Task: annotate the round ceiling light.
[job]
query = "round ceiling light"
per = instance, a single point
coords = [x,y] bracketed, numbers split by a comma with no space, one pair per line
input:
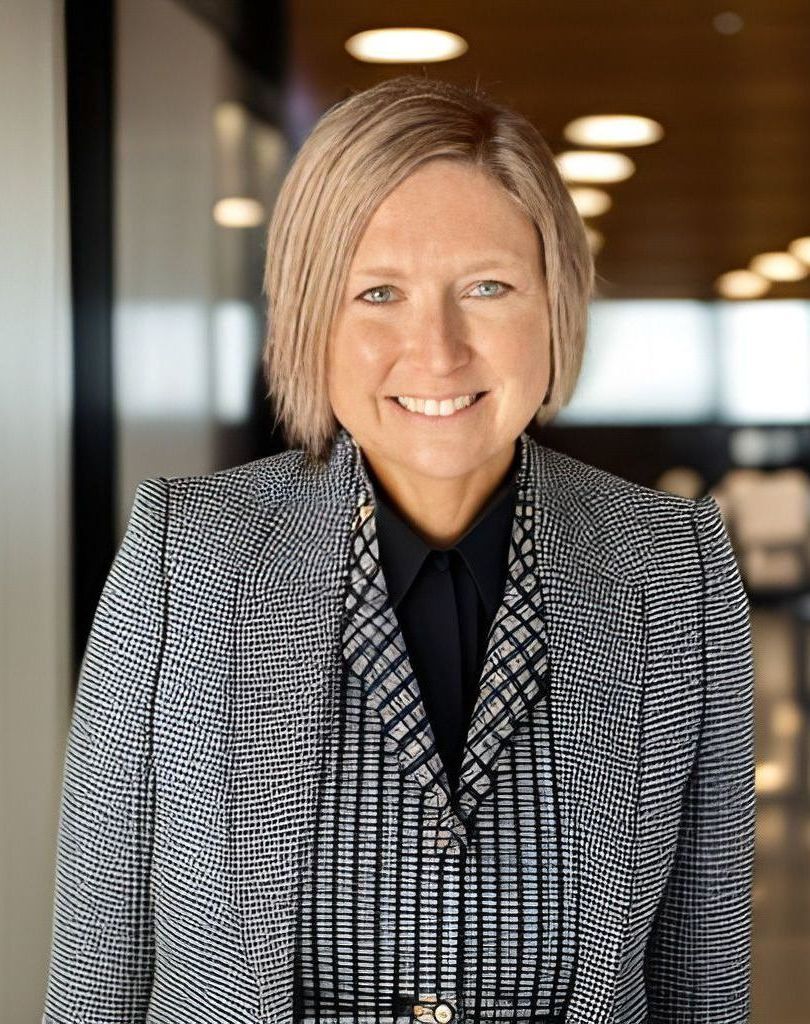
[590,202]
[741,284]
[405,45]
[800,248]
[779,266]
[593,165]
[596,239]
[613,130]
[238,212]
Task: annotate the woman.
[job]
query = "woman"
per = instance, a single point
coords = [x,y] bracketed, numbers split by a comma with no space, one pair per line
[421,719]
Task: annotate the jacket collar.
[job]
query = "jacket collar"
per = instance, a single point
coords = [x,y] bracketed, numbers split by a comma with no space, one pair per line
[570,505]
[573,630]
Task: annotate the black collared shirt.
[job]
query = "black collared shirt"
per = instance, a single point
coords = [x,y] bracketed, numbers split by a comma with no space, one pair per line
[445,601]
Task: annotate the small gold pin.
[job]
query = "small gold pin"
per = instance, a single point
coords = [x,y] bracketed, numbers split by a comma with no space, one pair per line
[362,515]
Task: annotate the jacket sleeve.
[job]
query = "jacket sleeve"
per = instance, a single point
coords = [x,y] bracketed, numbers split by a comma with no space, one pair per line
[697,965]
[102,947]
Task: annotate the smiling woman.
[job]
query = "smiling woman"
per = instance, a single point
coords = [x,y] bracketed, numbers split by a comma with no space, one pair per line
[421,718]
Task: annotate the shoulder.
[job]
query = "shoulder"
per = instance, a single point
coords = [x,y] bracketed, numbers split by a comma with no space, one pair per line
[651,528]
[602,489]
[235,489]
[222,515]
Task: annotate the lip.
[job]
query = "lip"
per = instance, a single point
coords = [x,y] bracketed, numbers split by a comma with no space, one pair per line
[459,414]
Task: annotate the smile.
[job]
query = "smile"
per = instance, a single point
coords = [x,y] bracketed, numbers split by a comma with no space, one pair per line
[431,409]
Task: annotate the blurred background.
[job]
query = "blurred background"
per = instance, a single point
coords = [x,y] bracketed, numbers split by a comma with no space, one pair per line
[143,144]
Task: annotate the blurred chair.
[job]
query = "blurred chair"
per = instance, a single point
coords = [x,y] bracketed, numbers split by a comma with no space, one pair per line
[685,481]
[768,517]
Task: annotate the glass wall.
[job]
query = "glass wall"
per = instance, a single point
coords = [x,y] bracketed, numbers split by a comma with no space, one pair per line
[683,362]
[198,163]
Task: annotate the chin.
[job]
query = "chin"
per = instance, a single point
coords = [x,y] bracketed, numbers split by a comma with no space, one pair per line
[442,459]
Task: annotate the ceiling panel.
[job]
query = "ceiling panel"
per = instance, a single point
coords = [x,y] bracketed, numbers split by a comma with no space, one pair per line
[729,179]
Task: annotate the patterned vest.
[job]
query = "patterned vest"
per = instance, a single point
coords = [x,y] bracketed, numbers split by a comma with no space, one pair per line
[422,904]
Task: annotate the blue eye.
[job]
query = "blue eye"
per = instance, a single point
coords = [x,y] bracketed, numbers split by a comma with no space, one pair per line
[506,286]
[376,288]
[387,287]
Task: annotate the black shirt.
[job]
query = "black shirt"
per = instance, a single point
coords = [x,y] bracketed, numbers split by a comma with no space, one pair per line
[445,601]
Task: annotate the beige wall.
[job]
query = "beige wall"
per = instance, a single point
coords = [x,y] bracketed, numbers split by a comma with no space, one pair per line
[34,502]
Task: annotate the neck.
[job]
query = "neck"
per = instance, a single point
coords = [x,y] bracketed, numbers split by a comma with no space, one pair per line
[439,510]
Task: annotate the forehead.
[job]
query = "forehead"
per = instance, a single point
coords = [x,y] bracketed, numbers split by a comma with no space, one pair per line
[444,212]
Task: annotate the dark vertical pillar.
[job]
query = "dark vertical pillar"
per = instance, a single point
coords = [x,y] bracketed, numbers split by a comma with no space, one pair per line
[89,27]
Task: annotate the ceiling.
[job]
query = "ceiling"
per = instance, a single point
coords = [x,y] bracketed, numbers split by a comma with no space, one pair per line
[730,178]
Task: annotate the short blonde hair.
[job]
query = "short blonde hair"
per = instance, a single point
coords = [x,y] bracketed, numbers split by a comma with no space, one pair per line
[358,152]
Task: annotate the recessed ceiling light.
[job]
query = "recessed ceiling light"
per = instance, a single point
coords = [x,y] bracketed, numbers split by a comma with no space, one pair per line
[613,130]
[238,212]
[594,165]
[779,266]
[741,284]
[728,23]
[405,45]
[590,202]
[800,248]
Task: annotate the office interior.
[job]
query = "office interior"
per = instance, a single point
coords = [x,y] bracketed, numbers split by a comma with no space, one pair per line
[146,142]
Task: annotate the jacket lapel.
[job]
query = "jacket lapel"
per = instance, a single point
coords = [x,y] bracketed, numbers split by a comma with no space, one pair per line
[283,677]
[512,678]
[374,650]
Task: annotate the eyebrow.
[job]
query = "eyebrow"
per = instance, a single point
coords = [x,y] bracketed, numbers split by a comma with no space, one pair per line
[381,270]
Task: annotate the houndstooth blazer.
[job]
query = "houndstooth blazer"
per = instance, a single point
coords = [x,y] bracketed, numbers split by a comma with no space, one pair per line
[192,762]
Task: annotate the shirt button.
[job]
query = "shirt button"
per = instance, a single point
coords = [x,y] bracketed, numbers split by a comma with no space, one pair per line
[441,560]
[444,1012]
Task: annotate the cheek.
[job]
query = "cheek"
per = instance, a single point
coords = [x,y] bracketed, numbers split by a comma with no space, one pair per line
[523,362]
[523,354]
[358,356]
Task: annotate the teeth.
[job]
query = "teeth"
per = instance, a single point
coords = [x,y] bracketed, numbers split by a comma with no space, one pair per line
[430,407]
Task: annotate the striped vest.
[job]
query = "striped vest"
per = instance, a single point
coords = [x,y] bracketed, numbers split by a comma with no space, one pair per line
[458,905]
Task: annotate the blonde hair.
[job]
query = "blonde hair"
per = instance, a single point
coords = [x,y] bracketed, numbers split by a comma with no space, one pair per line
[358,152]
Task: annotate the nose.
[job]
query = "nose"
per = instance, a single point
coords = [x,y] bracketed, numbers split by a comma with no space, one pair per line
[437,342]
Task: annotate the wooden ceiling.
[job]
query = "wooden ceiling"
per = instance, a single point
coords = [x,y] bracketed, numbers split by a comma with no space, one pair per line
[730,178]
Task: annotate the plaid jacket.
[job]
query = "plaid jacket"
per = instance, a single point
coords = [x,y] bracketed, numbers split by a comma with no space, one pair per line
[195,759]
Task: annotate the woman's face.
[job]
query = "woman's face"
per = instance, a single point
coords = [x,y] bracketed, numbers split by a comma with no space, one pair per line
[445,298]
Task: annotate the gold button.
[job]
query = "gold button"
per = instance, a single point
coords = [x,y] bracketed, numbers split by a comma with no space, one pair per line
[443,1013]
